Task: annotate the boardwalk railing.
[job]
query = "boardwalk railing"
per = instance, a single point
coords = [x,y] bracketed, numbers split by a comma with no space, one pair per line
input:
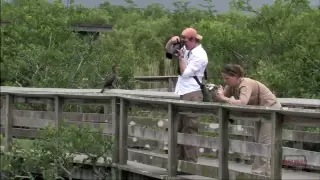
[127,133]
[170,80]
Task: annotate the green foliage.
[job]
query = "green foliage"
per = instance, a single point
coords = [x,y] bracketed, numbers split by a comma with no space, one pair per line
[277,44]
[53,154]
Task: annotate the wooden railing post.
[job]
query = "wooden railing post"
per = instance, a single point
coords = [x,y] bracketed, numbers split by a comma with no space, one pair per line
[276,146]
[8,121]
[58,109]
[123,144]
[223,143]
[172,140]
[115,126]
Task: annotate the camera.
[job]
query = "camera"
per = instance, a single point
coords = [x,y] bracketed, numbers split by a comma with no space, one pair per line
[175,47]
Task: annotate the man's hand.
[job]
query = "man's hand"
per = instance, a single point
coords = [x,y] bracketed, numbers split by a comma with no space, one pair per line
[175,39]
[180,53]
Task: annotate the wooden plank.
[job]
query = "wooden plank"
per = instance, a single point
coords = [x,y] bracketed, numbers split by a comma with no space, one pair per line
[123,133]
[173,118]
[155,89]
[87,101]
[300,102]
[132,141]
[91,29]
[302,121]
[143,169]
[209,167]
[96,92]
[154,78]
[245,116]
[223,144]
[8,121]
[23,133]
[276,146]
[156,172]
[19,99]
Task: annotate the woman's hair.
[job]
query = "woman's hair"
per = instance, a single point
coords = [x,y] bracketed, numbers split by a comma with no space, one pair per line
[233,70]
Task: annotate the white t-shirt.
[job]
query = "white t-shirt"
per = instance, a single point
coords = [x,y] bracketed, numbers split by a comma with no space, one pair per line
[196,64]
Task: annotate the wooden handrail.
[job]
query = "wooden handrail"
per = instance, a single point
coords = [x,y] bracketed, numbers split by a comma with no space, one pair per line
[295,102]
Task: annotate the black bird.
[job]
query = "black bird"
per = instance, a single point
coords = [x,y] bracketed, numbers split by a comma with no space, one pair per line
[110,79]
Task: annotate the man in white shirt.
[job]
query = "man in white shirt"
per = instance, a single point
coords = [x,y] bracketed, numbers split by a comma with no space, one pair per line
[193,61]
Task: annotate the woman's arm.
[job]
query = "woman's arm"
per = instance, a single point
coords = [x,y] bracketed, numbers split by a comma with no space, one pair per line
[227,91]
[245,93]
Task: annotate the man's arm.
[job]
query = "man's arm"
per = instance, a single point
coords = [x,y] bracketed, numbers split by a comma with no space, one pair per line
[169,46]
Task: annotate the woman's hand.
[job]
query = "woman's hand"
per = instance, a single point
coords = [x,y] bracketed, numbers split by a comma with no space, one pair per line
[220,93]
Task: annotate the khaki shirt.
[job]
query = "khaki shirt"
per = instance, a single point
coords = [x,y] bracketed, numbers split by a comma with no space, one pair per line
[251,92]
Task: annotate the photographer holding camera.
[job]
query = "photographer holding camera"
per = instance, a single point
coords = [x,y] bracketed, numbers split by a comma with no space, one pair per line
[193,61]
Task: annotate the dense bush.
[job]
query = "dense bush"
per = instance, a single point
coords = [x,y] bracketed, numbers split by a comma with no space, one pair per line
[278,44]
[52,155]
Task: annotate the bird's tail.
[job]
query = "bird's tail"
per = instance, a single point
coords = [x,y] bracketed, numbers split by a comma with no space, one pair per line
[102,90]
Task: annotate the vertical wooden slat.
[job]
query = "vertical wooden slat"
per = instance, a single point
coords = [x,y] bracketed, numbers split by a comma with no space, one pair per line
[123,144]
[8,121]
[223,143]
[170,84]
[276,146]
[172,140]
[107,109]
[58,109]
[257,126]
[298,144]
[115,126]
[49,106]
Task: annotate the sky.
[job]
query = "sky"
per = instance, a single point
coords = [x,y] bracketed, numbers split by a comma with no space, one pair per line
[220,5]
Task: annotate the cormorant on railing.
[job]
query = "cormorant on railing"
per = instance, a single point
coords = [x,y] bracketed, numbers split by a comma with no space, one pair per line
[109,82]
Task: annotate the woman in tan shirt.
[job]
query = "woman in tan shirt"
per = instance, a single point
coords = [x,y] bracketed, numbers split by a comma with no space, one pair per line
[246,91]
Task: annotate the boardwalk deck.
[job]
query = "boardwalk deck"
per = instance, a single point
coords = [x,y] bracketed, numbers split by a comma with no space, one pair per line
[234,168]
[141,166]
[156,172]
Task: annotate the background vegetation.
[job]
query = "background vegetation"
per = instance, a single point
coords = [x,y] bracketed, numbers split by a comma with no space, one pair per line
[277,44]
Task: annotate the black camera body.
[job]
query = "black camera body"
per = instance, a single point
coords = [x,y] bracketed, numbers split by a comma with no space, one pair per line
[175,47]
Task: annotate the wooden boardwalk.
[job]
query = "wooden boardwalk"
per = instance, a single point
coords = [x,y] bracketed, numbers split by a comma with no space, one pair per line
[156,134]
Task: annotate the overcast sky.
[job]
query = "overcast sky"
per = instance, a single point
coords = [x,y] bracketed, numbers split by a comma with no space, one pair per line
[221,5]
